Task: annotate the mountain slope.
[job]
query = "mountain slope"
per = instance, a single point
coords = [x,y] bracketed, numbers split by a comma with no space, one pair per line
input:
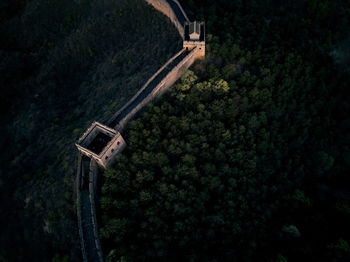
[64,64]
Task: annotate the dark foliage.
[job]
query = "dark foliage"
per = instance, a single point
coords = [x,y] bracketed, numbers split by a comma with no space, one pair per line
[63,64]
[247,158]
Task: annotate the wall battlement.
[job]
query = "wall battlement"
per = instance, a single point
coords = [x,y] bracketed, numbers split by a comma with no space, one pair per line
[101,143]
[165,77]
[88,229]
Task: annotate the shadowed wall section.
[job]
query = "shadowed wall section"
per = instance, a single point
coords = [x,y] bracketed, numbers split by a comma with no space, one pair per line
[173,10]
[88,230]
[164,78]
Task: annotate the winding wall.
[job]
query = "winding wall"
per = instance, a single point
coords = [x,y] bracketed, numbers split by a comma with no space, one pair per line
[87,170]
[88,229]
[173,10]
[165,77]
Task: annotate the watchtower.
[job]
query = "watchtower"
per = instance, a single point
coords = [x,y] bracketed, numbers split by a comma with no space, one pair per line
[194,36]
[101,143]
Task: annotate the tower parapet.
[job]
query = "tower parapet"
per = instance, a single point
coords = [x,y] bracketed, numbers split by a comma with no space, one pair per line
[101,143]
[194,37]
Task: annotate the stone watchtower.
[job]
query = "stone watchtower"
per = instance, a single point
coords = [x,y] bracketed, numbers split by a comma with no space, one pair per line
[101,143]
[194,36]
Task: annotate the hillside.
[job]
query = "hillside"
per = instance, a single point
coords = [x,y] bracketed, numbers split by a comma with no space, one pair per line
[247,158]
[63,64]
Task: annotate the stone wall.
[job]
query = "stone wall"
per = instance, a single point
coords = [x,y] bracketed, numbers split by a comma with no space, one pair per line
[111,152]
[164,7]
[92,131]
[164,85]
[175,74]
[182,10]
[143,88]
[79,205]
[200,53]
[92,189]
[90,243]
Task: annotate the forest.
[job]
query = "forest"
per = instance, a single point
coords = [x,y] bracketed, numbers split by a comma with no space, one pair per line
[63,64]
[247,158]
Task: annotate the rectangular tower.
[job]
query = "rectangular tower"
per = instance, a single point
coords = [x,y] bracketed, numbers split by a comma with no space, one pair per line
[194,36]
[101,143]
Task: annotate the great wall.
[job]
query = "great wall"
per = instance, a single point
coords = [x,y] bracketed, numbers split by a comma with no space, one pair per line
[102,144]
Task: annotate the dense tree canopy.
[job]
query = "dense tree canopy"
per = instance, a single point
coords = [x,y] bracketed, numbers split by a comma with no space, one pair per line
[247,158]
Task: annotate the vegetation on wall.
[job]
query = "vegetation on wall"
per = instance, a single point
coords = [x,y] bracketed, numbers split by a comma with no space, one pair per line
[63,64]
[247,158]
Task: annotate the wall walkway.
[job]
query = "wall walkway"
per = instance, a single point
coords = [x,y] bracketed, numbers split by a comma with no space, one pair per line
[157,84]
[173,10]
[88,230]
